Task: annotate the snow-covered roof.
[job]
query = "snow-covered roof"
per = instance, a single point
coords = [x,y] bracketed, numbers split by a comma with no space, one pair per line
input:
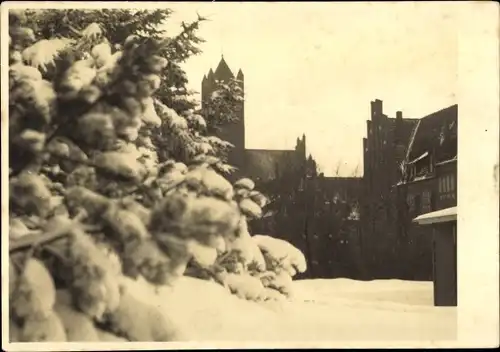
[439,216]
[421,178]
[447,161]
[425,137]
[419,158]
[412,139]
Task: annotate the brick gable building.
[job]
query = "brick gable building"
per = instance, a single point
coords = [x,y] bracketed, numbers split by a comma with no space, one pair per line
[409,169]
[355,227]
[319,215]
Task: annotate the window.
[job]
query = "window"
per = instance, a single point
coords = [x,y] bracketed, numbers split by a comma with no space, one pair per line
[423,170]
[433,201]
[411,203]
[426,202]
[452,187]
[447,187]
[301,186]
[444,184]
[418,203]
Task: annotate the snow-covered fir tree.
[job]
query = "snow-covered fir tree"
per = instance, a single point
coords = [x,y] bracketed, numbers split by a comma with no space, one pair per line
[113,175]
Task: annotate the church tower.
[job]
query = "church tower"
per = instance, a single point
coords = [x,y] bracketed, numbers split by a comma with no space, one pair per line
[233,132]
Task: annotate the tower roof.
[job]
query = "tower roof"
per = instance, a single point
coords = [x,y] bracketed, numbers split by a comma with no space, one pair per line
[223,72]
[240,75]
[210,75]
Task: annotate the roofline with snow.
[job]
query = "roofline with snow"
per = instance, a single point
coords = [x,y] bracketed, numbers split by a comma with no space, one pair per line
[436,217]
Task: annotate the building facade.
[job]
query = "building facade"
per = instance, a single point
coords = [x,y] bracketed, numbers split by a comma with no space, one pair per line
[409,169]
[357,228]
[383,152]
[429,183]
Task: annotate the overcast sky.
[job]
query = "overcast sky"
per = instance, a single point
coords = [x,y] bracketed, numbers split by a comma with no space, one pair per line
[313,68]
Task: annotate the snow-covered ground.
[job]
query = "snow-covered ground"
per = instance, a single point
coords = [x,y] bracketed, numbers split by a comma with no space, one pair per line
[322,310]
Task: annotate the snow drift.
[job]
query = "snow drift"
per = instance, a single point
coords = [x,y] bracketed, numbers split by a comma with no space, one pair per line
[322,310]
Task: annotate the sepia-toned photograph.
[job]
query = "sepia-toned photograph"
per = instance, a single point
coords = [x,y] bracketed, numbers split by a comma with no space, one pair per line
[244,173]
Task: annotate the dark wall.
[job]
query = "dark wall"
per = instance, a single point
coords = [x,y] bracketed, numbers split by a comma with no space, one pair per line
[445,264]
[416,198]
[317,215]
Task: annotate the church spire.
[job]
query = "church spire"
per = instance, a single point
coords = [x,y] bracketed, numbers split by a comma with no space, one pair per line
[223,72]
